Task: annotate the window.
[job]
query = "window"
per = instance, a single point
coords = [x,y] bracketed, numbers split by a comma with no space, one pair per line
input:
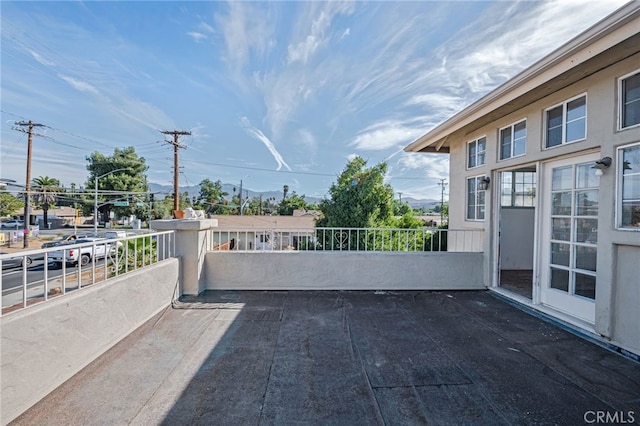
[567,122]
[630,100]
[518,189]
[513,140]
[629,187]
[475,199]
[476,152]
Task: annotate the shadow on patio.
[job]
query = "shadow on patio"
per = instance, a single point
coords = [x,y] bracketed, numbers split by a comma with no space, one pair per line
[348,358]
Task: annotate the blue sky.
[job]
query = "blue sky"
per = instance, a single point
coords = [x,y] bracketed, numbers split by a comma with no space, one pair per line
[273,93]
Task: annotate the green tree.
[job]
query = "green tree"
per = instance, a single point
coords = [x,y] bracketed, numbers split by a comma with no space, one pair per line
[400,209]
[408,221]
[132,181]
[211,197]
[46,189]
[360,198]
[293,202]
[163,209]
[9,203]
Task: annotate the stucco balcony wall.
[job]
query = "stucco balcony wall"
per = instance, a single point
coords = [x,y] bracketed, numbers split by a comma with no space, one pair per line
[343,271]
[45,345]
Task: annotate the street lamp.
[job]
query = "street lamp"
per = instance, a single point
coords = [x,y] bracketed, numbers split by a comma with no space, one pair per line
[95,199]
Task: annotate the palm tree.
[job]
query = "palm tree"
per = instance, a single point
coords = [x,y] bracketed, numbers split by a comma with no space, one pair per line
[285,190]
[47,189]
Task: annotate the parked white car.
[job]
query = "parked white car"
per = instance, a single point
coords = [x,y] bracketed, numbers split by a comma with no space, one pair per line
[82,255]
[13,224]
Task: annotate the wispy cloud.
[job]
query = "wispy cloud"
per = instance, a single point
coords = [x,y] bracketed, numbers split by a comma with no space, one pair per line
[257,134]
[245,31]
[38,57]
[481,57]
[202,32]
[432,165]
[196,36]
[387,134]
[321,20]
[307,140]
[345,34]
[80,85]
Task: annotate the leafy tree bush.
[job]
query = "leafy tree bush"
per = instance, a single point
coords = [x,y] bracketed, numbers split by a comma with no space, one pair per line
[9,204]
[359,198]
[132,181]
[291,203]
[136,253]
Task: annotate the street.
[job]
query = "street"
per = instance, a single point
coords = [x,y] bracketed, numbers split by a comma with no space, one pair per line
[12,279]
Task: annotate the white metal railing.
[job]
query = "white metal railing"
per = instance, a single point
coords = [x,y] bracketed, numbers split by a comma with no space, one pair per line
[35,276]
[346,239]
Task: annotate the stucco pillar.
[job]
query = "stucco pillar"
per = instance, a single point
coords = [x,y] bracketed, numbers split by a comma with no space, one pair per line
[191,246]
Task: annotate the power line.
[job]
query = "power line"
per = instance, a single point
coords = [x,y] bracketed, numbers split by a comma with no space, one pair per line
[289,171]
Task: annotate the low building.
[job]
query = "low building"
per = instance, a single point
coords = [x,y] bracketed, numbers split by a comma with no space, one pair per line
[262,232]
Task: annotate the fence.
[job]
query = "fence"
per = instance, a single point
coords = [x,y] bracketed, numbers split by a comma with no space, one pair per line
[346,239]
[35,276]
[15,236]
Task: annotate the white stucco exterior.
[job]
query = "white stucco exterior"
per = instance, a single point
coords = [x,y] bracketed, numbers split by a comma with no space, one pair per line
[45,345]
[344,271]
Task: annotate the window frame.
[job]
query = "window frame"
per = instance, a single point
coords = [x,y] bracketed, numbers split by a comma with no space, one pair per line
[476,198]
[475,142]
[512,127]
[621,79]
[620,187]
[564,104]
[513,185]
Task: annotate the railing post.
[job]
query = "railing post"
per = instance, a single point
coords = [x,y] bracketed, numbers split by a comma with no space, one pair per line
[189,237]
[24,283]
[45,276]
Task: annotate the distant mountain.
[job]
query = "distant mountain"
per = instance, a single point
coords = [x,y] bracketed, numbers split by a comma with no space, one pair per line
[420,203]
[163,190]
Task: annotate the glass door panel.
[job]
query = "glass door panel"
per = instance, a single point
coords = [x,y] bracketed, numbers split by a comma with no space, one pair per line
[570,250]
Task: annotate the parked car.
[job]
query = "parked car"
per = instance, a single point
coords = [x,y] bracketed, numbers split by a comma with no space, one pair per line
[115,234]
[82,255]
[17,224]
[15,262]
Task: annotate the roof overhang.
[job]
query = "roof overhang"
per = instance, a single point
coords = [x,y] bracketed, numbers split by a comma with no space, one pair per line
[609,41]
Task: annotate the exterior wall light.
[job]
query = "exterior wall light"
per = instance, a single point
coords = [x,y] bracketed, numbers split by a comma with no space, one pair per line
[484,182]
[601,165]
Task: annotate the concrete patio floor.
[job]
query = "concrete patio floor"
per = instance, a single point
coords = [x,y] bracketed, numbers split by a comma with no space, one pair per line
[346,358]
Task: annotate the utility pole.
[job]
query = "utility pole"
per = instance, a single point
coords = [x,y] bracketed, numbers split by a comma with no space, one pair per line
[240,197]
[443,184]
[176,145]
[240,194]
[27,188]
